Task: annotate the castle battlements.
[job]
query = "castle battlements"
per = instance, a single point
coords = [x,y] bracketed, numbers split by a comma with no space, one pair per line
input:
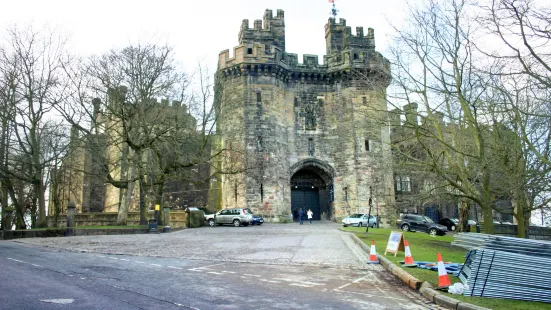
[261,50]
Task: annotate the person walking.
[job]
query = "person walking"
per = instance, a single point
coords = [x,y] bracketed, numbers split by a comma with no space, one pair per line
[300,216]
[310,215]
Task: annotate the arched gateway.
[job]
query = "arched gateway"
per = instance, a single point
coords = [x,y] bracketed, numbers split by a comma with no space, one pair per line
[311,180]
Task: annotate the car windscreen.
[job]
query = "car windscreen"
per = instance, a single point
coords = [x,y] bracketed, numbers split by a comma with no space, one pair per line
[355,216]
[428,219]
[248,211]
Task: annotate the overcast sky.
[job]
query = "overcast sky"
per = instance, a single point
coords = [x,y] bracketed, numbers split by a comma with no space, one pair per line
[196,29]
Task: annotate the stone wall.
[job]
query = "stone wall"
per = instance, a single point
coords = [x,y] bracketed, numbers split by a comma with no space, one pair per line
[177,219]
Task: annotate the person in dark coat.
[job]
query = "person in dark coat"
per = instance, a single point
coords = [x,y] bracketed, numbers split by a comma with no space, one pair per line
[301,214]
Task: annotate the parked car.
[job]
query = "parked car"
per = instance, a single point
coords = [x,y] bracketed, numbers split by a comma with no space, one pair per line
[469,223]
[417,222]
[209,216]
[236,217]
[450,224]
[257,220]
[359,219]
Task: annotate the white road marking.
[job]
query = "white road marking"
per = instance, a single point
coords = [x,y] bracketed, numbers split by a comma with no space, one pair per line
[140,262]
[180,305]
[113,258]
[126,260]
[59,301]
[83,278]
[195,270]
[214,272]
[343,286]
[298,284]
[16,260]
[204,267]
[228,271]
[156,265]
[174,267]
[252,275]
[264,280]
[360,279]
[36,265]
[70,275]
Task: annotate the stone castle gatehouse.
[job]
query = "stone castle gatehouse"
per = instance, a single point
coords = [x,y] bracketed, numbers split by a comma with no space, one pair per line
[303,135]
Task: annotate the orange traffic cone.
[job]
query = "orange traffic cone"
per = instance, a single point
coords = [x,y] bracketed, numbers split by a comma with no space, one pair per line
[443,279]
[372,254]
[408,261]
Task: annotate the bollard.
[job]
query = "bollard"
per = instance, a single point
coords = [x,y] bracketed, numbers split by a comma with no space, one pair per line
[71,207]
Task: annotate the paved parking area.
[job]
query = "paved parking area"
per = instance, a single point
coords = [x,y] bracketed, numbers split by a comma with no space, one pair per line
[318,244]
[306,259]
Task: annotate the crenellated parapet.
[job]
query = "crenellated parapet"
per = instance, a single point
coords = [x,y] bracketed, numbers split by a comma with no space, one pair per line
[269,31]
[261,51]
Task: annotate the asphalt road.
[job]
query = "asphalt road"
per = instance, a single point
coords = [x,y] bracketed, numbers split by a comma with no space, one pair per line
[38,277]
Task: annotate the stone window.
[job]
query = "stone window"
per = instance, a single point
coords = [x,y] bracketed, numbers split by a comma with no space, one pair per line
[250,51]
[356,56]
[296,102]
[402,183]
[258,97]
[261,192]
[364,100]
[309,118]
[259,144]
[366,145]
[311,147]
[235,191]
[346,194]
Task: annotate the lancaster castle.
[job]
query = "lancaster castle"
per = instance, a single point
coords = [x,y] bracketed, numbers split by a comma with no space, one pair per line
[309,134]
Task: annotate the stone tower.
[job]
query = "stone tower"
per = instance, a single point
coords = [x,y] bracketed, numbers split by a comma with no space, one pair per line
[303,135]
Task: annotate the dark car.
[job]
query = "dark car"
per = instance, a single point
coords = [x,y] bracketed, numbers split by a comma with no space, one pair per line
[449,223]
[257,220]
[417,222]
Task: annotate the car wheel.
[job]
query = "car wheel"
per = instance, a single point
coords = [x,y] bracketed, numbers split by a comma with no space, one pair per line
[452,228]
[405,227]
[360,224]
[236,223]
[433,232]
[211,223]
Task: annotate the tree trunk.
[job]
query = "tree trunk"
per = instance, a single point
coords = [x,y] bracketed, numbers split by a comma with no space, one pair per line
[159,200]
[519,215]
[143,207]
[122,218]
[463,216]
[42,221]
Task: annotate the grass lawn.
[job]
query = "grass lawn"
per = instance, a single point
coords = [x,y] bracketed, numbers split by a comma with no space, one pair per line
[424,248]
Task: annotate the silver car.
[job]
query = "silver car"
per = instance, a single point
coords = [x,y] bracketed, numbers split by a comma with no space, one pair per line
[359,219]
[236,217]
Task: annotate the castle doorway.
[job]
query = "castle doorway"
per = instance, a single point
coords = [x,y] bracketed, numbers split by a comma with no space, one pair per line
[310,183]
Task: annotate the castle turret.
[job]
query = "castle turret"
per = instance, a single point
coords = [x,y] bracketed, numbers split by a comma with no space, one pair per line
[303,134]
[269,31]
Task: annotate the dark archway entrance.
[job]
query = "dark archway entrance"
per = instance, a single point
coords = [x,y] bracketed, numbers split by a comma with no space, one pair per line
[310,182]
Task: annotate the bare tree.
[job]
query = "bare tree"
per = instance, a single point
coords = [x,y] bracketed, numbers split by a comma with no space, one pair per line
[35,62]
